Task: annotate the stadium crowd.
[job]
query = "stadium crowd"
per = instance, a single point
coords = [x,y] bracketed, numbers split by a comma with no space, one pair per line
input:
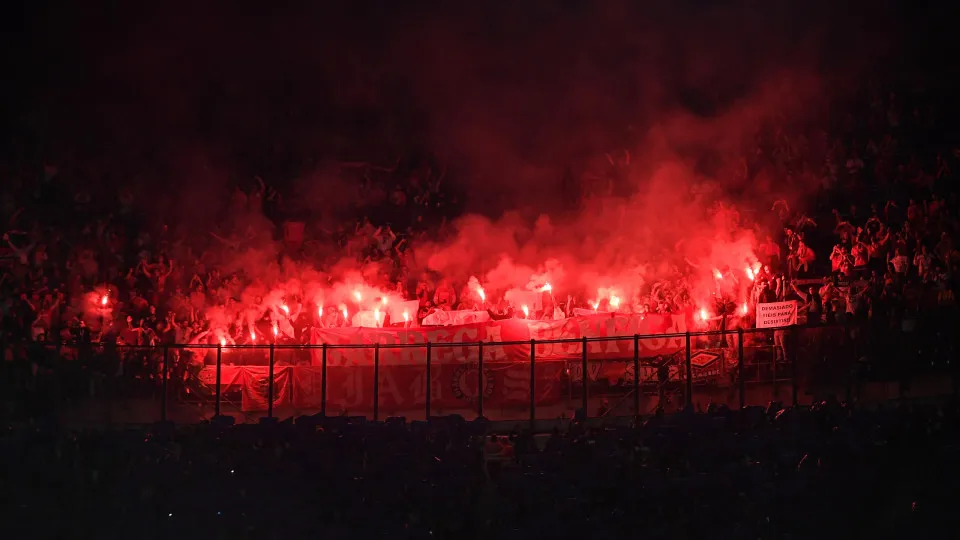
[885,211]
[881,234]
[831,471]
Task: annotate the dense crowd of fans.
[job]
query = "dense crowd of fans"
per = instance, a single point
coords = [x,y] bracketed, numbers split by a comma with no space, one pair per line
[892,246]
[832,470]
[72,242]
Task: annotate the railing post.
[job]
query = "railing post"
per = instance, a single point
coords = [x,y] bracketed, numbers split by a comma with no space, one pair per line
[583,376]
[270,382]
[216,404]
[793,380]
[480,383]
[376,382]
[429,385]
[773,371]
[689,370]
[636,375]
[533,383]
[323,379]
[742,382]
[163,384]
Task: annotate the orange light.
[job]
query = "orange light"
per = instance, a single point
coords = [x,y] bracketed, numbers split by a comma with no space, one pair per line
[526,311]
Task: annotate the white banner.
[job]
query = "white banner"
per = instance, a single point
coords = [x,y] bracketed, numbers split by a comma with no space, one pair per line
[777,314]
[455,318]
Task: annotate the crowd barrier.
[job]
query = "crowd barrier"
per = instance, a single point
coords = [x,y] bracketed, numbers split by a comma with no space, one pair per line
[188,383]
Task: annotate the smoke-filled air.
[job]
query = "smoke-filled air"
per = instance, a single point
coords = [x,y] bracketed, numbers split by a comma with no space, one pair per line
[602,158]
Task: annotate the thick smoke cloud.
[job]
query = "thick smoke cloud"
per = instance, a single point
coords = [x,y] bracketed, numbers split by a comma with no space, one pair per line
[513,97]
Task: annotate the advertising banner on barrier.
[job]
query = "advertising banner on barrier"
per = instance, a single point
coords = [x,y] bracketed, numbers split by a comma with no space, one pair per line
[777,314]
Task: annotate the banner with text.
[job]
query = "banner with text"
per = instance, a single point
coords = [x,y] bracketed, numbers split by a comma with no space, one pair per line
[777,314]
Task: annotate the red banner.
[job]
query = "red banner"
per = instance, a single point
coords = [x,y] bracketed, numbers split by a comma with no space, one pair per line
[454,356]
[401,388]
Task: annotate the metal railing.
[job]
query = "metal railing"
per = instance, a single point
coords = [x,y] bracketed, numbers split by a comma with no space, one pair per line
[738,367]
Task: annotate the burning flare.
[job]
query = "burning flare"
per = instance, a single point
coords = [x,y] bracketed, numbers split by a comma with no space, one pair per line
[376,316]
[276,330]
[253,336]
[320,312]
[406,317]
[745,308]
[483,295]
[546,288]
[285,308]
[704,315]
[357,295]
[750,275]
[104,299]
[526,311]
[346,314]
[717,274]
[384,300]
[615,302]
[223,342]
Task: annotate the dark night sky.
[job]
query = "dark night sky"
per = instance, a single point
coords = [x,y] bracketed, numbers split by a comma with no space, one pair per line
[531,82]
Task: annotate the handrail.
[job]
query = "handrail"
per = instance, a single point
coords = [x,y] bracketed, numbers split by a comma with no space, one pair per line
[420,345]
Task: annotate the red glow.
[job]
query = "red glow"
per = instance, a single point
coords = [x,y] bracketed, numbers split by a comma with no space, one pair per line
[103,300]
[703,314]
[745,308]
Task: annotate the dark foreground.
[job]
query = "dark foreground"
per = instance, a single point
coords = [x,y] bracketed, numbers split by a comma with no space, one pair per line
[829,471]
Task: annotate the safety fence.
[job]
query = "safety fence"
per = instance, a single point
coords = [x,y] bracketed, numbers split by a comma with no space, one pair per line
[110,383]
